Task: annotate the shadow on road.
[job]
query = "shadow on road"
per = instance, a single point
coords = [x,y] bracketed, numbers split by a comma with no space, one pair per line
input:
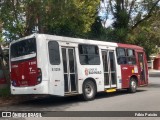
[56,101]
[152,85]
[50,101]
[114,94]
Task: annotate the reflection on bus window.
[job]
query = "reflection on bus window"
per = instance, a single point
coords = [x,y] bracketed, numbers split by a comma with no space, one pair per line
[24,47]
[54,55]
[126,56]
[89,55]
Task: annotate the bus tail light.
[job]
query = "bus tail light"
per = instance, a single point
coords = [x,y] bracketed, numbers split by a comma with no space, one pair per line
[39,77]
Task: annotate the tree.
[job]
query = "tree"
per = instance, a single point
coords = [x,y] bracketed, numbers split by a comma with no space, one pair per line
[1,40]
[3,57]
[128,14]
[147,34]
[134,22]
[12,16]
[97,30]
[60,17]
[72,17]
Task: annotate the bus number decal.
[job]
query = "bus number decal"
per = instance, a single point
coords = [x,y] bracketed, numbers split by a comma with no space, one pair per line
[32,63]
[56,69]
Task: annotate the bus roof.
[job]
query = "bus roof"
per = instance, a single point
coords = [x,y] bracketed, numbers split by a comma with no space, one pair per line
[130,46]
[78,40]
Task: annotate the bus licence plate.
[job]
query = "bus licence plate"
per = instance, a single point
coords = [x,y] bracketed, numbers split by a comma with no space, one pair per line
[24,82]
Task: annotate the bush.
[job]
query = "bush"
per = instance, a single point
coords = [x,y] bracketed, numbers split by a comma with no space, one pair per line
[5,92]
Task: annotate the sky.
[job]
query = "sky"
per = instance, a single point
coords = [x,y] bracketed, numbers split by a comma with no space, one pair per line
[109,18]
[103,14]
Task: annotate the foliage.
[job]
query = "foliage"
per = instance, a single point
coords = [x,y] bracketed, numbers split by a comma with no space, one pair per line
[72,18]
[147,34]
[128,14]
[60,17]
[78,18]
[5,92]
[135,22]
[13,23]
[1,40]
[97,30]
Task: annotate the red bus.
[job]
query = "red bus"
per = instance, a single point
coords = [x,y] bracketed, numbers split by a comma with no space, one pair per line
[56,65]
[137,68]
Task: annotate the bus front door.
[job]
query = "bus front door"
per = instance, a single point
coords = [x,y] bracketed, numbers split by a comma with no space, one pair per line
[69,68]
[141,68]
[109,67]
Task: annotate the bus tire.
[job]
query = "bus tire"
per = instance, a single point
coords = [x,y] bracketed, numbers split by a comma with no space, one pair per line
[132,85]
[89,90]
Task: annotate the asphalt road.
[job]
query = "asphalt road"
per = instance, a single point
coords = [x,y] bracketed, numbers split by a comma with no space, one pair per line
[145,99]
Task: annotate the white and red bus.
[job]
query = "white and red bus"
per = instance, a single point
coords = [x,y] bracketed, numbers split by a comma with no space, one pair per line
[56,65]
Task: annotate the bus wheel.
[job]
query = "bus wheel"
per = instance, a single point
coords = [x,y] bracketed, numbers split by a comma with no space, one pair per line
[89,90]
[133,85]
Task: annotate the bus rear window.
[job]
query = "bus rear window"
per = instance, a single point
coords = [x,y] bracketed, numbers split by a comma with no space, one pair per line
[24,47]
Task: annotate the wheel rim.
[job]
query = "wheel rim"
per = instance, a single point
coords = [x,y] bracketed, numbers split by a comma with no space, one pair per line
[133,85]
[89,90]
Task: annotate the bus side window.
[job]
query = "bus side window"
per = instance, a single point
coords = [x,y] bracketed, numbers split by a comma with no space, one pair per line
[121,56]
[89,54]
[131,57]
[54,55]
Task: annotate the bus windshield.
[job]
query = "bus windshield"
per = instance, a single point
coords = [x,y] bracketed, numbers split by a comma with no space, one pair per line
[24,47]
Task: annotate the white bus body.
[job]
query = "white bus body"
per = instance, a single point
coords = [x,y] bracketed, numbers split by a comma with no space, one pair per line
[64,66]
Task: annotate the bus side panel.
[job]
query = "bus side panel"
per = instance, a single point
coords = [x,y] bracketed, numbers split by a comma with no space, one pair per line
[119,76]
[94,72]
[126,74]
[79,72]
[84,74]
[56,77]
[42,60]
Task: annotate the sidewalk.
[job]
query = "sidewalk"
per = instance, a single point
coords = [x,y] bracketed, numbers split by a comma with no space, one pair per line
[153,71]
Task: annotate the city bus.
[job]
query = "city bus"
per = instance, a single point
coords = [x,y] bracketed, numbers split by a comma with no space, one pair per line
[65,66]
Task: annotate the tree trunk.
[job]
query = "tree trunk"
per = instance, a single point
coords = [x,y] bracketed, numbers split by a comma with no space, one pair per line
[4,66]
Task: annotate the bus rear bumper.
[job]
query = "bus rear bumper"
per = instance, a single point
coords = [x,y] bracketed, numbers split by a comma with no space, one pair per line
[41,88]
